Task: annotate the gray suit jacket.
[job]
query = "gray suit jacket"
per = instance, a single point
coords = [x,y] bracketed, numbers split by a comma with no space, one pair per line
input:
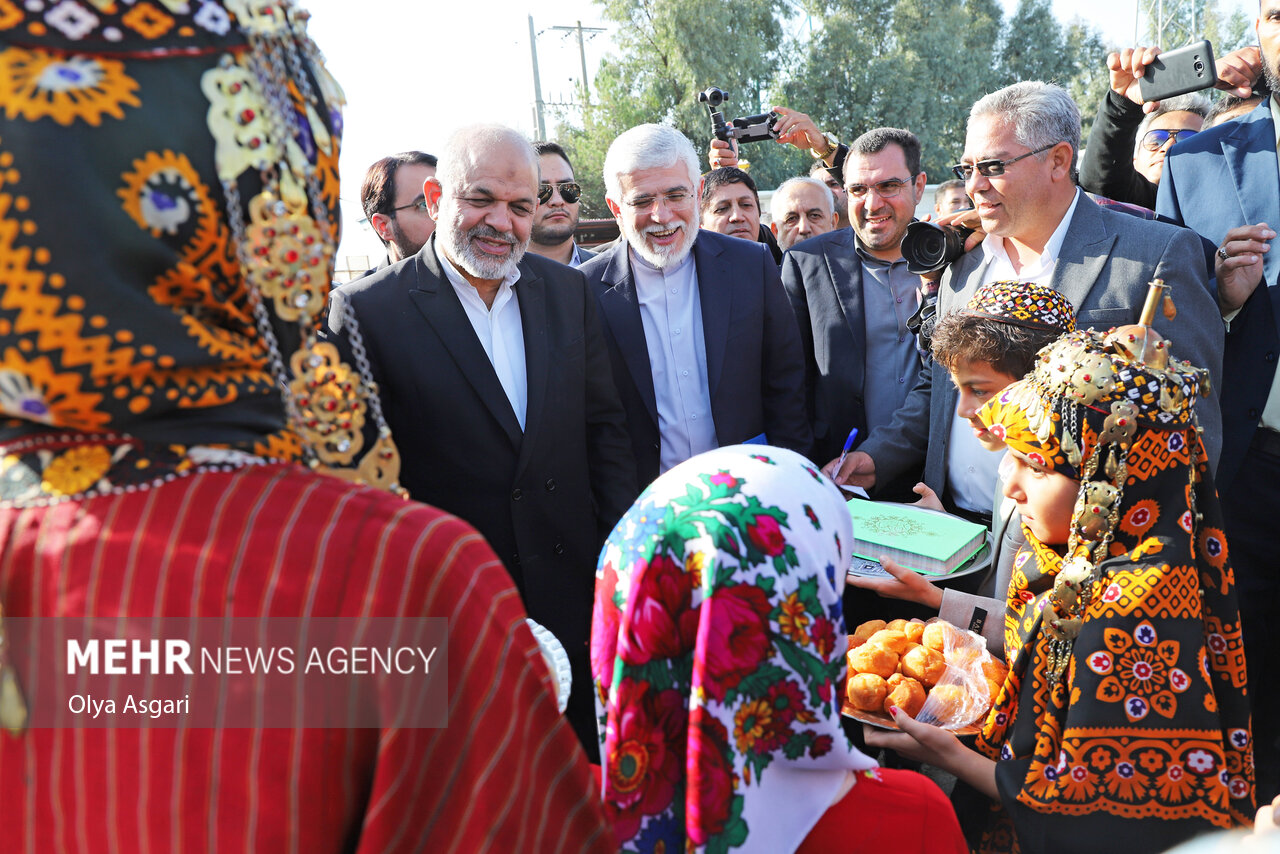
[1106,261]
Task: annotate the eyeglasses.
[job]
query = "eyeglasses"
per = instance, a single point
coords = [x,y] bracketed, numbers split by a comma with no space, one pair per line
[992,168]
[885,189]
[570,191]
[420,203]
[1154,140]
[674,199]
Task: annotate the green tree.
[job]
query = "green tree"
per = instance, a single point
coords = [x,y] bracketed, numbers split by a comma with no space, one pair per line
[667,52]
[1034,46]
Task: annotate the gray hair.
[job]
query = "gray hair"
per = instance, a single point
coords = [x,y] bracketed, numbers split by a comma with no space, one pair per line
[466,146]
[775,203]
[648,147]
[1188,103]
[1040,115]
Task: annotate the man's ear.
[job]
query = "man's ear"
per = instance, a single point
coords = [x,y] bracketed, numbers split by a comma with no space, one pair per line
[773,226]
[381,224]
[614,208]
[432,192]
[1062,154]
[921,181]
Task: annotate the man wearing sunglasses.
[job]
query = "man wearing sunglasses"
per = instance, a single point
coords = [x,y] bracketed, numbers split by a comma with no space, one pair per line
[556,218]
[394,203]
[1019,168]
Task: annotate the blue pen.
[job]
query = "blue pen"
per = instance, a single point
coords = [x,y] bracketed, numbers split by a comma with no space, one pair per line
[848,443]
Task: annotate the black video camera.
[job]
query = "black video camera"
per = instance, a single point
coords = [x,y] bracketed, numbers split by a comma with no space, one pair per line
[746,129]
[928,248]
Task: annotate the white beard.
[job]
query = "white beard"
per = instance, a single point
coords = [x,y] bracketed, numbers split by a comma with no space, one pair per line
[661,257]
[463,253]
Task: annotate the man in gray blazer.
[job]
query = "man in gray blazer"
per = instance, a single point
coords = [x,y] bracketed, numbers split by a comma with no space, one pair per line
[1019,167]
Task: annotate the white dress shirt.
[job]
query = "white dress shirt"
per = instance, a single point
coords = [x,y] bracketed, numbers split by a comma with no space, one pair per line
[971,468]
[499,331]
[671,312]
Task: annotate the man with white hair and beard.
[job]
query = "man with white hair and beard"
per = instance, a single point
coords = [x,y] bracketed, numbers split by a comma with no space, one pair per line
[705,348]
[492,368]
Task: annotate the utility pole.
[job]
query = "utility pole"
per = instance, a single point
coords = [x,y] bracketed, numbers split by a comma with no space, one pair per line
[582,54]
[538,117]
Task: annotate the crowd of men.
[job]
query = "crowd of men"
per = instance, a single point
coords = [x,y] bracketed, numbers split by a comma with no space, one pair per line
[540,394]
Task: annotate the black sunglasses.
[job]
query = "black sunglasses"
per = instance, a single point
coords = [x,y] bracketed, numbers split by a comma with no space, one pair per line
[570,191]
[1154,140]
[992,168]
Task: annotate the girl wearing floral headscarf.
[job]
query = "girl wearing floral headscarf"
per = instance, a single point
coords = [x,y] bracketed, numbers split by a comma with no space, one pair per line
[1124,716]
[718,650]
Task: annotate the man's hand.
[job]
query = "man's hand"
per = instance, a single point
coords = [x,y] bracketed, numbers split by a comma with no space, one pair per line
[1126,68]
[722,153]
[904,584]
[1240,271]
[858,470]
[798,129]
[1239,70]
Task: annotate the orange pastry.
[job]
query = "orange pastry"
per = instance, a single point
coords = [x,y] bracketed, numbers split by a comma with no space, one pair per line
[873,658]
[866,630]
[867,692]
[936,635]
[949,702]
[926,665]
[905,693]
[897,625]
[891,639]
[914,631]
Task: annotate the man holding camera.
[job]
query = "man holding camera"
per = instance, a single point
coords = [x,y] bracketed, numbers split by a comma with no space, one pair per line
[1019,166]
[853,296]
[704,350]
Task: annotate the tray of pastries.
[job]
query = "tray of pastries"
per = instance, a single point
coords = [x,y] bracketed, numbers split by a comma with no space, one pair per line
[934,671]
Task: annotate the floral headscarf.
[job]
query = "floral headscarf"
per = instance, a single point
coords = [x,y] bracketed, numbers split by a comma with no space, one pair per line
[1126,692]
[717,648]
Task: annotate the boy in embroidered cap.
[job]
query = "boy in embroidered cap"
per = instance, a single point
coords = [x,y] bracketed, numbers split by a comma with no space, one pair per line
[987,345]
[1124,716]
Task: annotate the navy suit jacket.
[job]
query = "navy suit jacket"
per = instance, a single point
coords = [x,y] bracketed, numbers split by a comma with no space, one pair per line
[1217,180]
[755,367]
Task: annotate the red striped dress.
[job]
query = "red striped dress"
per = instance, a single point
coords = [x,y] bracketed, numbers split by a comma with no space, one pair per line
[274,540]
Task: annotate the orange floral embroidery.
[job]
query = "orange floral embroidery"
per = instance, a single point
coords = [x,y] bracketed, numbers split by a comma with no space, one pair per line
[1140,671]
[39,85]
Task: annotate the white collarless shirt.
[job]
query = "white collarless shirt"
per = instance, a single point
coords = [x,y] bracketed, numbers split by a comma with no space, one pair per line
[499,331]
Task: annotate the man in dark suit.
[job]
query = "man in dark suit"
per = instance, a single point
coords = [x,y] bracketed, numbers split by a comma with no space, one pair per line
[1223,184]
[1020,166]
[394,205]
[556,219]
[853,296]
[492,369]
[704,346]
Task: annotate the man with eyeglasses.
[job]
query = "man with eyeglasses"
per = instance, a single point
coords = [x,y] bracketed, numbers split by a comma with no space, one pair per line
[394,204]
[705,350]
[556,219]
[853,297]
[1019,168]
[492,368]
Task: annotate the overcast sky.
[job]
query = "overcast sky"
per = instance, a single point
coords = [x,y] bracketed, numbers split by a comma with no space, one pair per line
[413,71]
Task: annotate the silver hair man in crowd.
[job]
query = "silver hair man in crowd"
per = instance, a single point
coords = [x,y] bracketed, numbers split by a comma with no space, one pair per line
[493,361]
[704,350]
[801,208]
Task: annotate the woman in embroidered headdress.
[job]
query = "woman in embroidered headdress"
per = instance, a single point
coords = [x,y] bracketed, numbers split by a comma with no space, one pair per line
[1124,717]
[168,184]
[718,649]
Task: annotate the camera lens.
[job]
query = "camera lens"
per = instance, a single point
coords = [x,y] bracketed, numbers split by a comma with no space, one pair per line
[1199,67]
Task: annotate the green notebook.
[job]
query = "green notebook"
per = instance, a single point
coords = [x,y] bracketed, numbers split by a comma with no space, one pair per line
[927,541]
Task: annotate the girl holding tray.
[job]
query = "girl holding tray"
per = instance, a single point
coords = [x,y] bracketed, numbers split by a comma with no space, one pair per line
[1124,716]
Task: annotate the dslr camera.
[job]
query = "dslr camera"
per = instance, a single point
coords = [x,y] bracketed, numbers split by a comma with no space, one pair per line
[747,129]
[928,248]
